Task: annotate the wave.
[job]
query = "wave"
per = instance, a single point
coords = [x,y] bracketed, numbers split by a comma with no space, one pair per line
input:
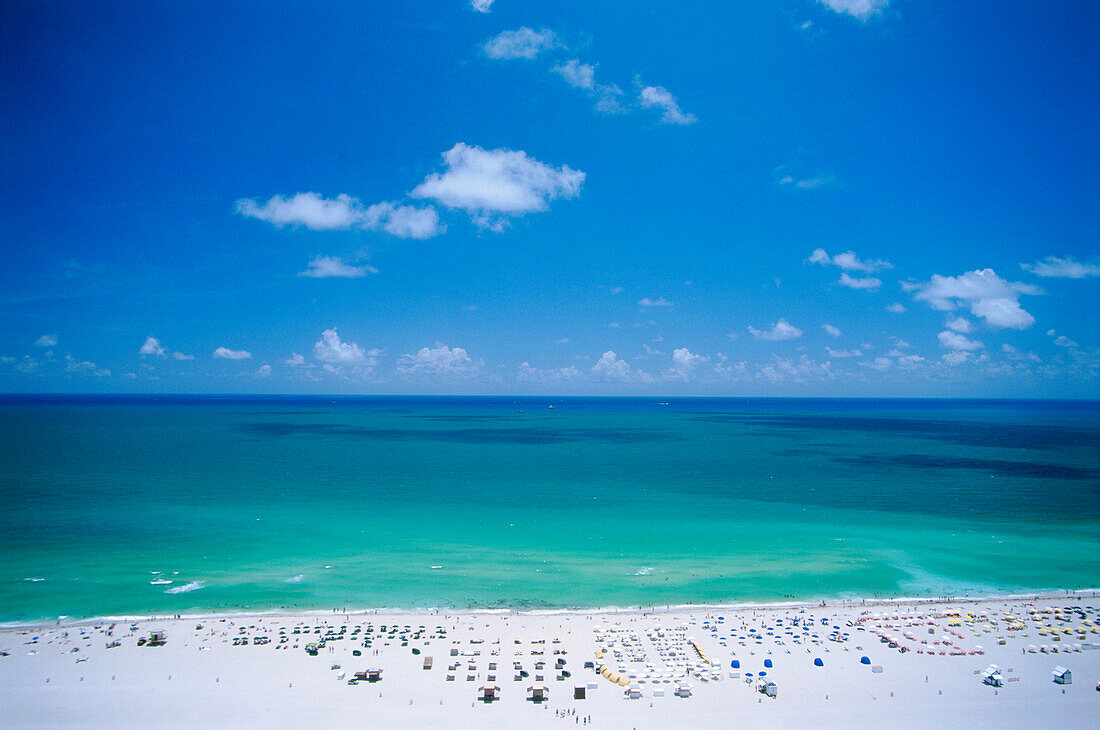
[295,579]
[192,586]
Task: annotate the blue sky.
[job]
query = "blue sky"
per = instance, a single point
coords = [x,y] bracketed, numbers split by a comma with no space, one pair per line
[798,197]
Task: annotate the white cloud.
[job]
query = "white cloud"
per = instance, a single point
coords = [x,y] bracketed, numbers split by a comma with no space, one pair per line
[527,373]
[1064,268]
[790,176]
[684,364]
[847,260]
[833,331]
[331,349]
[954,341]
[323,267]
[85,367]
[610,368]
[659,302]
[152,346]
[988,296]
[783,370]
[264,371]
[960,324]
[843,353]
[609,99]
[614,325]
[520,43]
[616,290]
[897,308]
[46,341]
[781,330]
[956,357]
[1063,341]
[481,6]
[226,354]
[868,282]
[576,74]
[562,341]
[305,209]
[488,184]
[862,9]
[440,360]
[660,97]
[343,212]
[295,360]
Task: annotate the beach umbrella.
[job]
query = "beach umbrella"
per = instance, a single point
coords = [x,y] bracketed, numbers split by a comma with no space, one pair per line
[818,662]
[735,664]
[864,660]
[768,663]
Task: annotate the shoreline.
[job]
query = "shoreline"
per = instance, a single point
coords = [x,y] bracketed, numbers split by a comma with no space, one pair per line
[892,662]
[283,613]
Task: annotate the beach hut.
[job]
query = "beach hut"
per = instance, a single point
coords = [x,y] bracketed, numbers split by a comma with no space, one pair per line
[579,692]
[1062,676]
[374,675]
[157,638]
[538,692]
[992,676]
[489,693]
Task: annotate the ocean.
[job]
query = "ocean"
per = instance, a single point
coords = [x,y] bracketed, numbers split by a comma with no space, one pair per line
[133,505]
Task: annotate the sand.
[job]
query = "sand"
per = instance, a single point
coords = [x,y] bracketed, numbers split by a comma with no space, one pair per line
[66,675]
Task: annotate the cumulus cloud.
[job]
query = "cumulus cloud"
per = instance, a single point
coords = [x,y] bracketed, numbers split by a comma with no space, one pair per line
[956,357]
[225,353]
[527,373]
[481,6]
[520,43]
[805,368]
[960,324]
[988,296]
[843,353]
[46,341]
[660,98]
[862,9]
[1063,268]
[954,341]
[438,360]
[867,282]
[323,267]
[833,331]
[152,347]
[1063,341]
[781,330]
[658,302]
[848,261]
[897,308]
[342,213]
[489,184]
[684,365]
[331,349]
[610,368]
[264,371]
[576,74]
[295,360]
[85,367]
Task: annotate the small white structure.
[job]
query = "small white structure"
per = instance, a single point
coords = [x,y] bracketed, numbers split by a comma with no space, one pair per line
[992,676]
[1062,676]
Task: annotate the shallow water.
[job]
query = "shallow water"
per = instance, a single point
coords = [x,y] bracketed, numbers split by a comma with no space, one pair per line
[314,503]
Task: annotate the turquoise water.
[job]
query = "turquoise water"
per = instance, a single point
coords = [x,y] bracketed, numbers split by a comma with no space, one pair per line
[315,503]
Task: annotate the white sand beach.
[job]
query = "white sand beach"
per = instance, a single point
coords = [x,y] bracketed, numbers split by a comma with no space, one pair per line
[905,664]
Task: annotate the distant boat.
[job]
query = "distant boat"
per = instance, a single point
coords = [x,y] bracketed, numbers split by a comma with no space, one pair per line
[551,407]
[159,582]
